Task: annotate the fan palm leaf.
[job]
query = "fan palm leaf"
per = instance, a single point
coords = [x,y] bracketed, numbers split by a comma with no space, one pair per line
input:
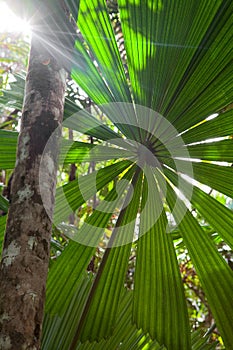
[179,64]
[179,73]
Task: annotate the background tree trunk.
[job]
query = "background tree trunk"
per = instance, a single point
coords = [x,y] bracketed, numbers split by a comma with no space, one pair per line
[26,248]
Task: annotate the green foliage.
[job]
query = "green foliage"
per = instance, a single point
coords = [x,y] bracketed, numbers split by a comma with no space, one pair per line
[178,64]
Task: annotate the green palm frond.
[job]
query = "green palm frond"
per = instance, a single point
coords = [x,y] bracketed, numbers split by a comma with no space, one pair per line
[179,73]
[179,64]
[59,329]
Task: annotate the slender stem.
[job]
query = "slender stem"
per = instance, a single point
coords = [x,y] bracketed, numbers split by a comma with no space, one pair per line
[103,262]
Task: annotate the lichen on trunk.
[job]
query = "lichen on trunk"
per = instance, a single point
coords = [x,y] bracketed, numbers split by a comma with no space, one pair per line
[26,248]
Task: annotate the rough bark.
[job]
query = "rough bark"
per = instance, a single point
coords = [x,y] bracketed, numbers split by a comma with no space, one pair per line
[26,248]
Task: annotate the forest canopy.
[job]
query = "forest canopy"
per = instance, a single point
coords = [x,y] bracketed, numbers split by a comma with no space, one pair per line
[116,155]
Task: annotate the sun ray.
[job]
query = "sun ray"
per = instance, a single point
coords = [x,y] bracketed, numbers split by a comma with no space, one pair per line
[9,22]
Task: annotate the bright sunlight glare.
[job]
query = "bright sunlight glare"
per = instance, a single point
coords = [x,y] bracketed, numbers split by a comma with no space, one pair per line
[9,22]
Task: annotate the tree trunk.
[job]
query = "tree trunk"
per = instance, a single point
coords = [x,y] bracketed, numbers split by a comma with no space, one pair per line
[26,248]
